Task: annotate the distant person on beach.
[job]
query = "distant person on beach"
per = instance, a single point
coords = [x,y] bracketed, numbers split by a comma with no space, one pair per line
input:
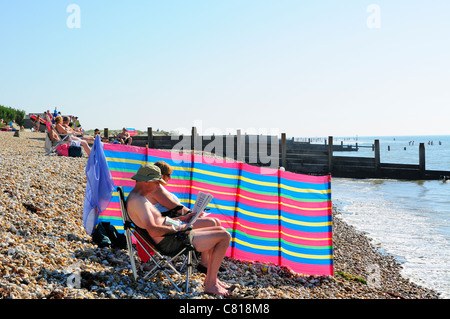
[37,123]
[66,124]
[213,241]
[52,134]
[69,125]
[55,114]
[6,126]
[77,125]
[48,117]
[103,139]
[124,137]
[13,126]
[63,130]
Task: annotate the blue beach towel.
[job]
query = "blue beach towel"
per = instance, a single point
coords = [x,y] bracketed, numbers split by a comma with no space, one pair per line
[99,187]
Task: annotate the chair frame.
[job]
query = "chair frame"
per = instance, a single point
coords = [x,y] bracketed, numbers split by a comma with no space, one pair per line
[162,261]
[63,140]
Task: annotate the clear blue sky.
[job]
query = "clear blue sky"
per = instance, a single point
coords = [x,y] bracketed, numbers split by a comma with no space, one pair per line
[306,68]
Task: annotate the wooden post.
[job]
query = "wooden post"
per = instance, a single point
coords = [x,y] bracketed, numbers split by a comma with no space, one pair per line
[240,156]
[150,137]
[283,150]
[422,158]
[105,133]
[330,154]
[377,155]
[194,138]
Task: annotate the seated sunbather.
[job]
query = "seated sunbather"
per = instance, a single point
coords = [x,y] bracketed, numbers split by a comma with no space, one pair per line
[60,129]
[124,137]
[37,123]
[103,139]
[213,241]
[52,134]
[164,201]
[66,125]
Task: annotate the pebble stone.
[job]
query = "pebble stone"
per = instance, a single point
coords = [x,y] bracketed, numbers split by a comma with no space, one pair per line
[46,253]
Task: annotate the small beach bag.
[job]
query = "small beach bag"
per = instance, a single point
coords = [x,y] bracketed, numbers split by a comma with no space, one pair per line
[62,150]
[75,149]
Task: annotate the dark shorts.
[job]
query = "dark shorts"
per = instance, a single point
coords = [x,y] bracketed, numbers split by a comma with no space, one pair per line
[173,244]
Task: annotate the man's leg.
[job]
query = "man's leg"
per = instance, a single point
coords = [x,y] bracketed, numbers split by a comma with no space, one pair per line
[204,222]
[86,147]
[215,241]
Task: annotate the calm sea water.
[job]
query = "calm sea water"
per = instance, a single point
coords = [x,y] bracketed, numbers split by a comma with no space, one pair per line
[407,219]
[403,149]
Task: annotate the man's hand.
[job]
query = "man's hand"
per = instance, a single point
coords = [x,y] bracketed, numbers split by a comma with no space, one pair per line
[186,218]
[185,229]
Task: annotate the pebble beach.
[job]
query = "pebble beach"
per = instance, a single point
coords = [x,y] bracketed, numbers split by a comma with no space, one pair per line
[45,252]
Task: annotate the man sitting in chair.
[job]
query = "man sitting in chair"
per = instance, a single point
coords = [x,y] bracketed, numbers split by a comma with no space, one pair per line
[165,201]
[61,129]
[124,137]
[213,241]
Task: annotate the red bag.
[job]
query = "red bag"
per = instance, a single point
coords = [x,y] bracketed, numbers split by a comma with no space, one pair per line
[143,250]
[62,150]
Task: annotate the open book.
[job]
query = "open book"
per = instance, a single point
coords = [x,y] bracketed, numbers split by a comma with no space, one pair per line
[202,201]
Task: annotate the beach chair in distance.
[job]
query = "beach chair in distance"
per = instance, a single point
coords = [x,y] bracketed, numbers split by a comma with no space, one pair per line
[161,262]
[51,145]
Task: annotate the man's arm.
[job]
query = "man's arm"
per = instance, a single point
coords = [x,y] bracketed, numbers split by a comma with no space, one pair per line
[144,215]
[61,129]
[162,196]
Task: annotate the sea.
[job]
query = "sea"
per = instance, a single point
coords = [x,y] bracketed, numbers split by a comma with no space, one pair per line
[409,220]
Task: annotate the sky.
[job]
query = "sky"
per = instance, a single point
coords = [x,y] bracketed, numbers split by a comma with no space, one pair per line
[301,67]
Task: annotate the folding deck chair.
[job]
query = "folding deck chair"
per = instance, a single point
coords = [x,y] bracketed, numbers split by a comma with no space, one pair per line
[162,262]
[50,146]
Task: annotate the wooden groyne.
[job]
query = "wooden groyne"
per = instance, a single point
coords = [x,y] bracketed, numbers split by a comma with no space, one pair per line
[294,156]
